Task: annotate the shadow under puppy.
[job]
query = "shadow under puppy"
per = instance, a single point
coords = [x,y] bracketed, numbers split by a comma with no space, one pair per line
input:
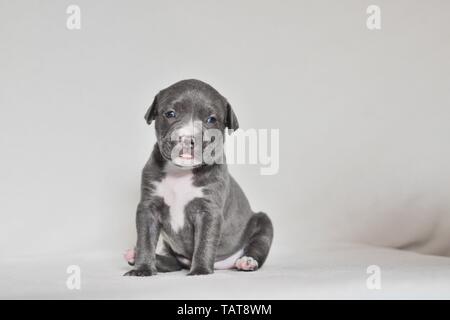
[201,213]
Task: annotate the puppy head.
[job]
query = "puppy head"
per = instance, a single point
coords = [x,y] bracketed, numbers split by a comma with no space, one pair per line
[189,116]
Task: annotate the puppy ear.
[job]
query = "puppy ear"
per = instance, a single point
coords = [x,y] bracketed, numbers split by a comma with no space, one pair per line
[151,112]
[231,120]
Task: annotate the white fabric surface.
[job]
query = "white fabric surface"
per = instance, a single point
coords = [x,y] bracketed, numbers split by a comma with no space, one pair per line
[330,272]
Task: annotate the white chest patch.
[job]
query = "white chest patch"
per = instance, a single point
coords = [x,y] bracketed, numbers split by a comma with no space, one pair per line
[177,190]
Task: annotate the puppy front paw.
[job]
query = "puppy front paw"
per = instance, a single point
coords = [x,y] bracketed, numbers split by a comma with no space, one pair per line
[142,272]
[198,271]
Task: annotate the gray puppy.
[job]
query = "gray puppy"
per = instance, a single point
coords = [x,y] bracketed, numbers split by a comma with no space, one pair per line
[201,213]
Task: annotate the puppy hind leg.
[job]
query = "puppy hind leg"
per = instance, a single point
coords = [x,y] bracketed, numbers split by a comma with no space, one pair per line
[167,263]
[129,256]
[259,231]
[164,262]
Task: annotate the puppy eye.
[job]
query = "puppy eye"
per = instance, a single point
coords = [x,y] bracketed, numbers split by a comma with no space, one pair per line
[211,120]
[170,114]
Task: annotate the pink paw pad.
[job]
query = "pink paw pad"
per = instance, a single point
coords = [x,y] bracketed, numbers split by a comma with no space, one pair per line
[246,264]
[129,255]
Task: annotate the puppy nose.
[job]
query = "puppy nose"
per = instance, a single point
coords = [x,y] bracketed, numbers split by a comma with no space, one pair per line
[187,141]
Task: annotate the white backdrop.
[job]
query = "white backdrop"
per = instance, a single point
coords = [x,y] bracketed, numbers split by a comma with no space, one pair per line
[363,115]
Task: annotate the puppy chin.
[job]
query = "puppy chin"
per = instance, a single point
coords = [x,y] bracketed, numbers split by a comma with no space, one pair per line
[187,163]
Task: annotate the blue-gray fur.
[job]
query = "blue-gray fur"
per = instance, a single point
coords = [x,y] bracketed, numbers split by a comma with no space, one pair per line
[218,224]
